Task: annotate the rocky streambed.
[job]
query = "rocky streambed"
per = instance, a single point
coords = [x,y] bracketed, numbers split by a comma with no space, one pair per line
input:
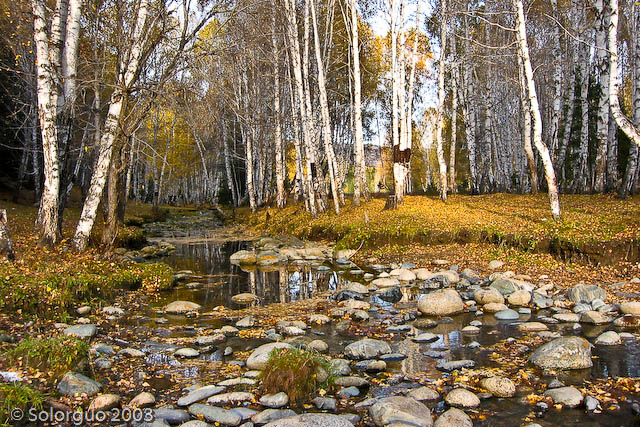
[436,344]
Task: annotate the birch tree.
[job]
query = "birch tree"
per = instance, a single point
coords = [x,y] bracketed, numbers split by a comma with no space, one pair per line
[535,109]
[56,64]
[628,127]
[360,168]
[441,98]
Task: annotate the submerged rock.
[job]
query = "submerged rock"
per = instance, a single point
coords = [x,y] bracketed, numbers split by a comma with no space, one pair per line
[366,349]
[563,353]
[570,397]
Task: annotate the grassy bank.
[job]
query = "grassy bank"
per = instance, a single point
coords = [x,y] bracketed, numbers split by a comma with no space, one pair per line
[49,282]
[522,221]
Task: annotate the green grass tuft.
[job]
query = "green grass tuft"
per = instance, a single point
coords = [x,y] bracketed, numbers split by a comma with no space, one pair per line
[17,395]
[53,356]
[297,372]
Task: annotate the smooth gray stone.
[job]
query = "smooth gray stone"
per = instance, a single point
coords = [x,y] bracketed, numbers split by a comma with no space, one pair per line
[200,394]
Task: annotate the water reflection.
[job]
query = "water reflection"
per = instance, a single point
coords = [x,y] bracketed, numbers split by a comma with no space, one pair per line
[218,279]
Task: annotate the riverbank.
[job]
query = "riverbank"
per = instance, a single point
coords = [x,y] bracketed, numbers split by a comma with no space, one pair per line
[594,229]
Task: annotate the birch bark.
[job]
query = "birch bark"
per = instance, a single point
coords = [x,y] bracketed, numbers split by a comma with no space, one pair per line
[537,120]
[631,130]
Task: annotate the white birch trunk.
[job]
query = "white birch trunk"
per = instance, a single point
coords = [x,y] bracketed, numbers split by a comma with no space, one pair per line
[359,175]
[294,47]
[602,60]
[631,130]
[441,98]
[526,134]
[280,172]
[98,179]
[47,96]
[631,170]
[454,119]
[324,113]
[557,84]
[537,120]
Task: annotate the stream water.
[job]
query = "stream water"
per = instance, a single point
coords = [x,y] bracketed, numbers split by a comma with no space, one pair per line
[207,255]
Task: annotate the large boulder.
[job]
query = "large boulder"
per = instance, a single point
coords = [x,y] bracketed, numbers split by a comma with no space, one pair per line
[400,410]
[260,355]
[586,293]
[312,420]
[441,303]
[181,307]
[563,353]
[366,349]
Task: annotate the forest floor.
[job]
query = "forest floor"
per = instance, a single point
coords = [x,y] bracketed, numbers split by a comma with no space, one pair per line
[597,239]
[50,281]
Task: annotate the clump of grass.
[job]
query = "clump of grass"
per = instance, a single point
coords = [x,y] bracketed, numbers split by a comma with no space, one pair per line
[53,356]
[17,395]
[297,372]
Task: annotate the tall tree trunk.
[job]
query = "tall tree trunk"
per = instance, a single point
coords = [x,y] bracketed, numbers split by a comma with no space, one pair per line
[602,60]
[277,132]
[294,47]
[441,98]
[526,134]
[118,98]
[537,119]
[631,171]
[469,112]
[557,84]
[629,128]
[454,120]
[360,168]
[324,112]
[581,178]
[395,88]
[47,95]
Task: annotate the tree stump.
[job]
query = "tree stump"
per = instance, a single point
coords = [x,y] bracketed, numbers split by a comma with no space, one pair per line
[391,203]
[6,246]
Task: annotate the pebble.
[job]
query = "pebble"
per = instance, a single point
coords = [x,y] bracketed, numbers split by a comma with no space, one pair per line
[277,400]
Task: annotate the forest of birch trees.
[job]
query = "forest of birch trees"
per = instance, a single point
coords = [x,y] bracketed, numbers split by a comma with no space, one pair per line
[317,102]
